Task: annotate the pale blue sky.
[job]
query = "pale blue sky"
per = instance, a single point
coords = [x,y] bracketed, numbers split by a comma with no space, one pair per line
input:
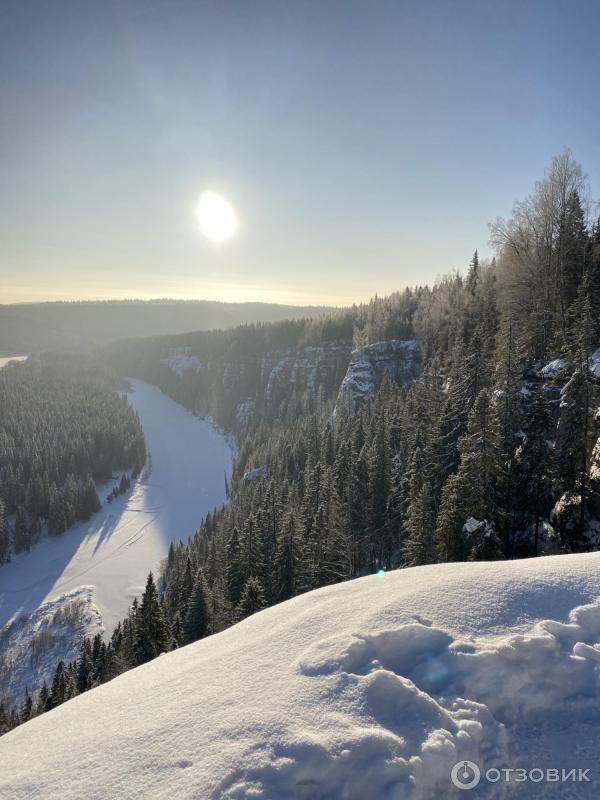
[365,145]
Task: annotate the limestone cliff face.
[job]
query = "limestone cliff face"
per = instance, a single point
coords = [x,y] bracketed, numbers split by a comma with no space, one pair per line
[252,388]
[400,358]
[305,371]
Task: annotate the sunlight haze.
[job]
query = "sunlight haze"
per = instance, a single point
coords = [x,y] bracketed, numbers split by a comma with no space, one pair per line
[365,148]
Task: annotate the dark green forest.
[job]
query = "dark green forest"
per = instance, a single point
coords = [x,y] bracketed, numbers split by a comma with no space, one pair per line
[490,453]
[63,429]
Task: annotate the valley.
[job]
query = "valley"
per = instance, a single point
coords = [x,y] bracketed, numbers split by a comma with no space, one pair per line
[113,551]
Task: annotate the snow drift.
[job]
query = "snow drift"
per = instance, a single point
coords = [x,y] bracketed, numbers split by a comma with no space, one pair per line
[369,689]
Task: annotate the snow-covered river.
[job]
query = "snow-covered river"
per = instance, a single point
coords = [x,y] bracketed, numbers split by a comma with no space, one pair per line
[6,358]
[114,551]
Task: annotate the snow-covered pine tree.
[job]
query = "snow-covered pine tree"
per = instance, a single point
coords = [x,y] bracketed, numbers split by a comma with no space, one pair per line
[197,618]
[252,599]
[151,631]
[289,557]
[420,544]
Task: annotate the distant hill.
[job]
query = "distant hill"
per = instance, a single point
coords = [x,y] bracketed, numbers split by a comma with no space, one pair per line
[29,327]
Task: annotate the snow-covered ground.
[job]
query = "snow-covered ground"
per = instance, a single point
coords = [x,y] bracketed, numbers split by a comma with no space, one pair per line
[6,358]
[33,644]
[367,690]
[114,551]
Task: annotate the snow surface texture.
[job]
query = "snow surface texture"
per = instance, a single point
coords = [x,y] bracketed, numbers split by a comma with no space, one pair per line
[114,551]
[364,690]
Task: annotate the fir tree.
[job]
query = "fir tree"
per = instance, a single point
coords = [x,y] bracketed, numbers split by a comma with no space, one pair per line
[27,710]
[197,620]
[289,557]
[252,599]
[420,545]
[534,465]
[233,571]
[151,631]
[44,702]
[59,690]
[4,536]
[22,532]
[85,666]
[379,477]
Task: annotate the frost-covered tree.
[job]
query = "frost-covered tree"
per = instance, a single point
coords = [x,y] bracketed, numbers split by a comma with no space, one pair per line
[252,599]
[420,544]
[289,558]
[151,636]
[197,618]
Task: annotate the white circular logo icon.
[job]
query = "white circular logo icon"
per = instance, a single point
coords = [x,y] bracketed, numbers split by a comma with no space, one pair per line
[465,775]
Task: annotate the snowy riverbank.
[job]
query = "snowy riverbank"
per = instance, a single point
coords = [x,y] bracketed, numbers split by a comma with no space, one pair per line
[114,550]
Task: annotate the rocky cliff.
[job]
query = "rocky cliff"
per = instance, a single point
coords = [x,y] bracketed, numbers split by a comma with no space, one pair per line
[400,358]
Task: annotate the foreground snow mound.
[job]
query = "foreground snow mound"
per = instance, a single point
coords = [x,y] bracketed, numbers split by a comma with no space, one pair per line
[369,689]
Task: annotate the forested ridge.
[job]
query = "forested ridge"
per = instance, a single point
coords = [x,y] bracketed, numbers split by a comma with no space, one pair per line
[35,327]
[63,429]
[490,454]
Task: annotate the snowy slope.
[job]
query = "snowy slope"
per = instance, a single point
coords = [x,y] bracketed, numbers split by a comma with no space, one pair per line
[369,689]
[114,550]
[33,644]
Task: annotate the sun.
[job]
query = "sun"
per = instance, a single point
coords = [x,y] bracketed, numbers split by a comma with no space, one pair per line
[216,217]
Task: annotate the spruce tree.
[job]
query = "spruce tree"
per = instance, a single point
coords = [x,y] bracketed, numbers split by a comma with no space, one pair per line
[252,599]
[27,710]
[289,557]
[84,666]
[233,570]
[577,429]
[534,465]
[420,544]
[4,536]
[22,531]
[44,702]
[251,549]
[451,543]
[89,501]
[197,618]
[59,690]
[151,631]
[379,483]
[480,460]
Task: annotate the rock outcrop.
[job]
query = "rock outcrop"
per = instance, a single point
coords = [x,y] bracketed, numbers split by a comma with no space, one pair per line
[400,358]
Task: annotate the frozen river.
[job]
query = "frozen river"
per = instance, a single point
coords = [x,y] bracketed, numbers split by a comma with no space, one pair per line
[114,550]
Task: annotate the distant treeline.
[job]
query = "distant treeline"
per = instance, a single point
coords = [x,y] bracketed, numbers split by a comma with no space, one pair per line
[32,327]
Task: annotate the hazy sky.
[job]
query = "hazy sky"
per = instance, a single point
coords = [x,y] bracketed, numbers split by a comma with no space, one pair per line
[364,145]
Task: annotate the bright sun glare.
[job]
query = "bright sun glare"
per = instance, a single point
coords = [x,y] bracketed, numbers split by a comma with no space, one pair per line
[216,216]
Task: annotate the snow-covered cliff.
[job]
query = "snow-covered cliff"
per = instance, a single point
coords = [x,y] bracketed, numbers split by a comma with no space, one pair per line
[401,359]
